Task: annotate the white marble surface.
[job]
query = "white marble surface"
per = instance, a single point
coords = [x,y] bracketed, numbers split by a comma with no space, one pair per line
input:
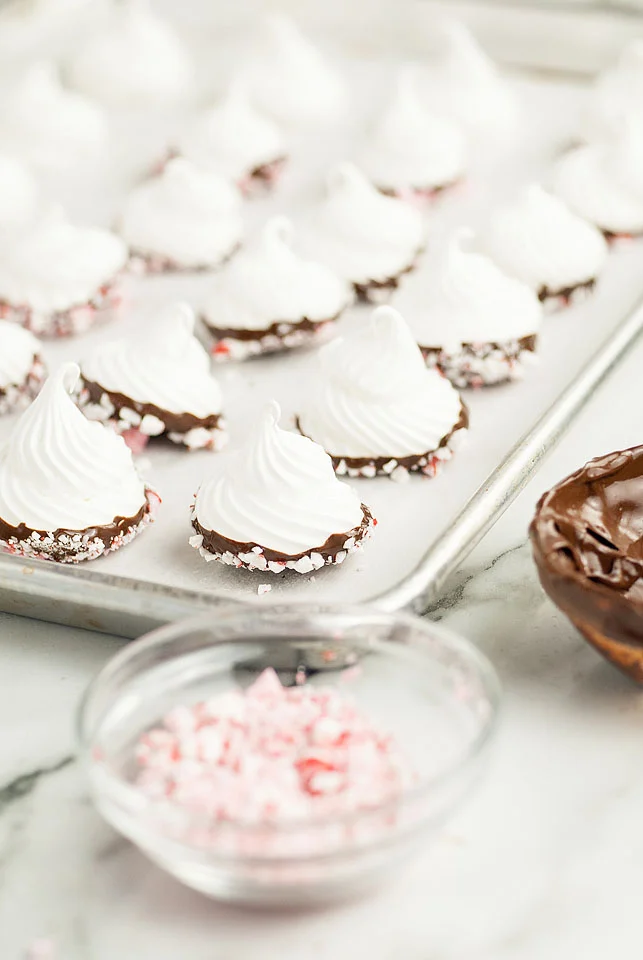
[545,861]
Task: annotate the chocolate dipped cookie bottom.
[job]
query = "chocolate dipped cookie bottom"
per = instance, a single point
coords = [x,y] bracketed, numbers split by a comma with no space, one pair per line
[240,344]
[64,323]
[380,291]
[74,546]
[137,422]
[553,300]
[428,464]
[251,556]
[483,364]
[148,263]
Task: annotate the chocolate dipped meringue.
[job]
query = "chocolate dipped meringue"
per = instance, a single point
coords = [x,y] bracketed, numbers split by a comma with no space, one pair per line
[186,219]
[377,409]
[268,298]
[290,80]
[475,324]
[603,182]
[19,196]
[49,127]
[156,384]
[586,539]
[236,141]
[617,95]
[22,370]
[68,488]
[277,505]
[134,59]
[366,238]
[463,82]
[55,276]
[541,242]
[413,153]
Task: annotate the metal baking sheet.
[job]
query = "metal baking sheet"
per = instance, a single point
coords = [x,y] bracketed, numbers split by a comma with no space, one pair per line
[160,577]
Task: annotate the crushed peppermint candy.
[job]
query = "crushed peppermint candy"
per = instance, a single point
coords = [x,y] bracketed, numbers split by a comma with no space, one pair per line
[263,588]
[271,755]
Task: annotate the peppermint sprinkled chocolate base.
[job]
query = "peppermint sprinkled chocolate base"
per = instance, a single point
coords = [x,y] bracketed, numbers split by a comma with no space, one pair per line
[420,195]
[144,263]
[18,396]
[615,238]
[261,179]
[483,364]
[74,546]
[399,468]
[282,335]
[251,556]
[64,323]
[554,300]
[137,422]
[380,291]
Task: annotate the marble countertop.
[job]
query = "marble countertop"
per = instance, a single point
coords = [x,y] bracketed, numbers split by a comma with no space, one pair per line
[543,863]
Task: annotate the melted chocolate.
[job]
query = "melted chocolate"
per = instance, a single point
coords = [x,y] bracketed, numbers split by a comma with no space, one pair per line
[174,422]
[370,288]
[566,293]
[107,533]
[214,542]
[511,352]
[280,329]
[587,538]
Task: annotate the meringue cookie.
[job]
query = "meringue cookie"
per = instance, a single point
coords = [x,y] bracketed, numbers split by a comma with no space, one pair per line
[55,276]
[463,82]
[276,504]
[157,383]
[185,219]
[21,368]
[290,80]
[135,60]
[603,182]
[19,195]
[412,151]
[68,487]
[617,95]
[235,141]
[476,324]
[49,127]
[541,242]
[369,239]
[268,298]
[377,409]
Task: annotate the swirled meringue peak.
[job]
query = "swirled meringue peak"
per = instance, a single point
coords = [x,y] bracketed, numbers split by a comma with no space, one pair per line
[19,195]
[68,487]
[617,95]
[276,503]
[290,80]
[603,182]
[269,298]
[55,276]
[157,382]
[21,368]
[367,238]
[463,82]
[48,126]
[135,59]
[236,141]
[411,150]
[475,322]
[543,243]
[187,218]
[377,409]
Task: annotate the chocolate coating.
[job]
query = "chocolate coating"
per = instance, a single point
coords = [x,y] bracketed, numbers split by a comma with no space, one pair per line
[587,538]
[174,422]
[280,329]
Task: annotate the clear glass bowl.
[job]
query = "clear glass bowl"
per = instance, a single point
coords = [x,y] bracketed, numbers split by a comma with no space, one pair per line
[432,690]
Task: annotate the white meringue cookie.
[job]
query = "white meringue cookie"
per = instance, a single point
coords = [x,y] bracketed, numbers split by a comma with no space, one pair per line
[617,95]
[541,242]
[603,182]
[362,235]
[163,365]
[232,138]
[188,215]
[463,82]
[60,472]
[53,265]
[135,59]
[18,350]
[375,396]
[268,283]
[411,148]
[278,491]
[49,127]
[290,80]
[467,299]
[19,195]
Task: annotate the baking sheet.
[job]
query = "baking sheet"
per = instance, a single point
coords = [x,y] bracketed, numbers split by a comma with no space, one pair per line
[412,515]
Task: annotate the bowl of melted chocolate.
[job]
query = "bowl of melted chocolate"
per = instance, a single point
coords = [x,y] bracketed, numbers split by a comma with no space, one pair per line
[587,538]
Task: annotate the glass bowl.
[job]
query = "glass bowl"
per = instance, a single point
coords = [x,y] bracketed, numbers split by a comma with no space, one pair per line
[431,690]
